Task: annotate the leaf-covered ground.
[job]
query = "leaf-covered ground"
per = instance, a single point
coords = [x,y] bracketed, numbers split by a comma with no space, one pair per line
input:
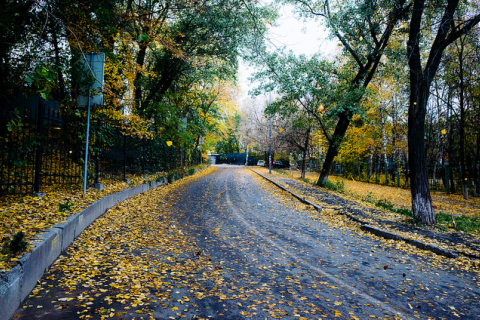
[336,203]
[401,198]
[121,259]
[31,215]
[230,245]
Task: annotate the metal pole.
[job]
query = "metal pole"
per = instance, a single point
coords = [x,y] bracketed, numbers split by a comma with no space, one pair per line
[125,156]
[86,143]
[97,160]
[246,160]
[39,154]
[270,152]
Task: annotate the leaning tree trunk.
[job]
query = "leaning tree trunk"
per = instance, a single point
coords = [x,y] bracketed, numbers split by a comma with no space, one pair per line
[305,150]
[339,133]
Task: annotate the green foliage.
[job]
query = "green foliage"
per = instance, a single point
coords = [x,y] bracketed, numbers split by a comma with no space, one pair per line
[191,171]
[62,207]
[464,223]
[337,186]
[15,245]
[281,171]
[170,177]
[387,205]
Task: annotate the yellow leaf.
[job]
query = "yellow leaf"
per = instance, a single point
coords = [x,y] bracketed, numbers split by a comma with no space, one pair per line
[444,131]
[174,309]
[169,143]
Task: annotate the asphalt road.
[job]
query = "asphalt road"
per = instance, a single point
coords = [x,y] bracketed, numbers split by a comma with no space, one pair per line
[271,258]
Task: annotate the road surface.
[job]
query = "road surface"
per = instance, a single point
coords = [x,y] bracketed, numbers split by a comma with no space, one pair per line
[269,257]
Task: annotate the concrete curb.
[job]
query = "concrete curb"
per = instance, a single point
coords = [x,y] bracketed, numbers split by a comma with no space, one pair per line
[317,207]
[16,284]
[377,231]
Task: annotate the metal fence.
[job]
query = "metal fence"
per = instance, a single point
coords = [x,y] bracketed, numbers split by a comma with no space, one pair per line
[39,147]
[442,177]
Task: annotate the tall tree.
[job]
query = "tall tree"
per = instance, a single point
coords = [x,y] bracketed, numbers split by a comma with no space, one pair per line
[363,29]
[449,29]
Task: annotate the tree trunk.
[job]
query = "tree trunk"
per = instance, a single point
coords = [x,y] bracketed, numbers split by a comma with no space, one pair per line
[140,62]
[421,200]
[407,171]
[305,150]
[419,89]
[461,125]
[384,143]
[339,133]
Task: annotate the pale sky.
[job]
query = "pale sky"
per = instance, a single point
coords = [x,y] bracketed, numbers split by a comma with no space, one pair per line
[302,37]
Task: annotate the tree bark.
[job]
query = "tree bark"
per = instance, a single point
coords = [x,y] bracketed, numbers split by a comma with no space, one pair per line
[421,200]
[384,142]
[305,150]
[339,133]
[420,82]
[461,125]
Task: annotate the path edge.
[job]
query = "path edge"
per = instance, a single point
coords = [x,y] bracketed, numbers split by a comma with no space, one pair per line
[17,283]
[374,230]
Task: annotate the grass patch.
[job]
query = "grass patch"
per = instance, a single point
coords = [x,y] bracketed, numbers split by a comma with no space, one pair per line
[337,186]
[385,204]
[281,171]
[464,223]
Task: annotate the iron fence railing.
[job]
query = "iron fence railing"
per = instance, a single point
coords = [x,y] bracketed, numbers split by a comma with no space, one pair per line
[442,177]
[38,147]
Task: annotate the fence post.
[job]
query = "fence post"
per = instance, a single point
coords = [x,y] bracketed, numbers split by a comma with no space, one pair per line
[358,166]
[39,154]
[447,178]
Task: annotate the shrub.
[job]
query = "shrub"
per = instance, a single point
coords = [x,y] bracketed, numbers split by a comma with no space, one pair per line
[15,245]
[191,171]
[170,177]
[338,186]
[62,207]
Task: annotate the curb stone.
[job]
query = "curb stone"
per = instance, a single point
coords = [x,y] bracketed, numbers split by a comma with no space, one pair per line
[317,207]
[17,283]
[377,231]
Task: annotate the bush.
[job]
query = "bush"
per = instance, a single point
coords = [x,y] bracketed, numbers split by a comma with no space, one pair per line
[170,177]
[338,186]
[15,245]
[62,207]
[191,171]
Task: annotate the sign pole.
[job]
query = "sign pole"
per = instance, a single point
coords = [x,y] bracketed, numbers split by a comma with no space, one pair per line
[86,143]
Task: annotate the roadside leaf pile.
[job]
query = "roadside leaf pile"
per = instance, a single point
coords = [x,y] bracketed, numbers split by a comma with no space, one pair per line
[32,215]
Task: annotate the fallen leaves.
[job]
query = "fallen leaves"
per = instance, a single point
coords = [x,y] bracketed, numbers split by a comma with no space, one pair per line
[127,257]
[33,215]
